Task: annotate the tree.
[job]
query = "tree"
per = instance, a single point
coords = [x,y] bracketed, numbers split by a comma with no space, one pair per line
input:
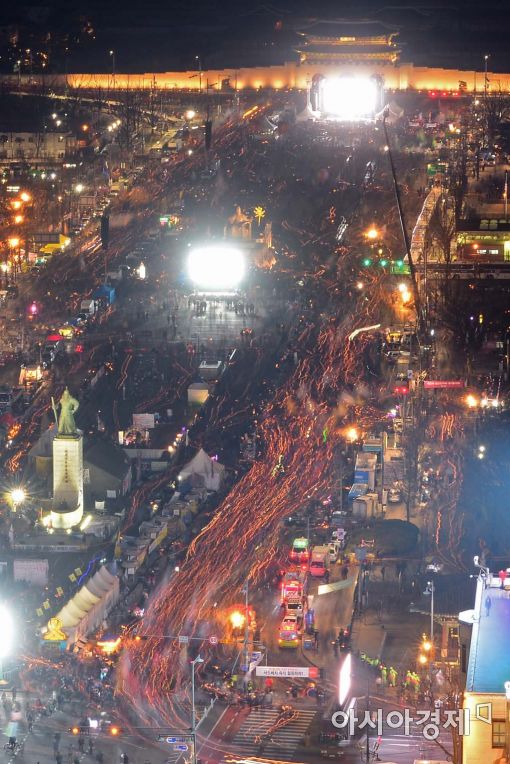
[495,111]
[442,231]
[411,441]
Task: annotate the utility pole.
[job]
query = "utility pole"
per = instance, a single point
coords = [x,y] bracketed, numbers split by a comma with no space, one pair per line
[199,61]
[506,196]
[197,660]
[485,84]
[431,585]
[367,751]
[112,54]
[246,624]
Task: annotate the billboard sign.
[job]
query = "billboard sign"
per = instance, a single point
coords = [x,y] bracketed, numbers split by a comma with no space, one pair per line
[446,384]
[143,421]
[32,571]
[287,672]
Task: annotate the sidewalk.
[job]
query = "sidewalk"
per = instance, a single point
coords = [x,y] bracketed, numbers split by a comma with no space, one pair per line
[386,629]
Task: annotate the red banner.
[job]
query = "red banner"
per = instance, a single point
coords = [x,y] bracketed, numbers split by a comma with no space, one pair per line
[434,384]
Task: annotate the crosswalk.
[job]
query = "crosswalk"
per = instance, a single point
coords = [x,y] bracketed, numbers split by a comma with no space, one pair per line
[254,736]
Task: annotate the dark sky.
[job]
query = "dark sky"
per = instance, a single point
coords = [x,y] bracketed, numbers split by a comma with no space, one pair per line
[157,34]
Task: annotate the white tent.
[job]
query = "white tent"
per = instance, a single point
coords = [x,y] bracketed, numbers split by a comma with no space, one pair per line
[89,606]
[205,470]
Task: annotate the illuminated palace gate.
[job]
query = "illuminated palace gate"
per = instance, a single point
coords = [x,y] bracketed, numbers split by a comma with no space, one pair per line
[367,45]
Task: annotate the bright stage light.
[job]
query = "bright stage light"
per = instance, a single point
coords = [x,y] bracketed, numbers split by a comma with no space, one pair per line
[344,680]
[216,268]
[349,97]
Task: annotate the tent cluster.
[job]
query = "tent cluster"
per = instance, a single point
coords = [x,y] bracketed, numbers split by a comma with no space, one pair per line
[86,610]
[203,472]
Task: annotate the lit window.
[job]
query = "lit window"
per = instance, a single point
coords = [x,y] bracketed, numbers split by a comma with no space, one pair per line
[498,734]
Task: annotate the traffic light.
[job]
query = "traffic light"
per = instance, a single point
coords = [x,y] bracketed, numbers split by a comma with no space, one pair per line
[367,262]
[383,263]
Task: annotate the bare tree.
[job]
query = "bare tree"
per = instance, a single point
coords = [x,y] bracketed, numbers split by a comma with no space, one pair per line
[442,230]
[495,110]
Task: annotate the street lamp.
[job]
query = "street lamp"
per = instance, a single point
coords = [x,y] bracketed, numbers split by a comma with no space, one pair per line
[372,234]
[352,435]
[79,187]
[199,61]
[430,590]
[112,54]
[17,496]
[194,663]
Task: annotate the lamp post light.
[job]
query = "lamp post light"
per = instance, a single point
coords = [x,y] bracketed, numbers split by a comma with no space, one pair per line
[198,660]
[112,54]
[485,84]
[199,61]
[14,243]
[430,590]
[17,496]
[372,234]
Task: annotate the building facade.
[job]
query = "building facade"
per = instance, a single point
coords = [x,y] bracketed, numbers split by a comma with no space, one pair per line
[485,668]
[18,146]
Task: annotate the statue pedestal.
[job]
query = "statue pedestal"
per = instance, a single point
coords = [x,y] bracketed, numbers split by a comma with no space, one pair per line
[67,481]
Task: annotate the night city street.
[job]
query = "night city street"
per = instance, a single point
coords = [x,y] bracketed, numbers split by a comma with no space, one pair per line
[254,384]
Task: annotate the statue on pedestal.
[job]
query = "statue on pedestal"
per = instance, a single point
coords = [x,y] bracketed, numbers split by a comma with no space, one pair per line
[68,408]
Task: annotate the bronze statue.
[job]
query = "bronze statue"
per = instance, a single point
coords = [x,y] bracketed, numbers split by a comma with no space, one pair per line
[68,408]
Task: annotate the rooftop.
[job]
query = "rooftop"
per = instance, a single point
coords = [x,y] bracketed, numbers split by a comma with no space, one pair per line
[329,30]
[489,657]
[483,224]
[108,457]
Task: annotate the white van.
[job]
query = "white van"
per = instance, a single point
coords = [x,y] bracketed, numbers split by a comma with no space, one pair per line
[334,551]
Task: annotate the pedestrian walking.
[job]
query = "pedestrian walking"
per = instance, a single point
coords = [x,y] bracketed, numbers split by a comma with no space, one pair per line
[316,639]
[502,578]
[488,605]
[383,572]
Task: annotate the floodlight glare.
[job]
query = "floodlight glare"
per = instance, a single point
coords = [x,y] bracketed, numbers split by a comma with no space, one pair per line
[6,631]
[349,98]
[17,495]
[216,268]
